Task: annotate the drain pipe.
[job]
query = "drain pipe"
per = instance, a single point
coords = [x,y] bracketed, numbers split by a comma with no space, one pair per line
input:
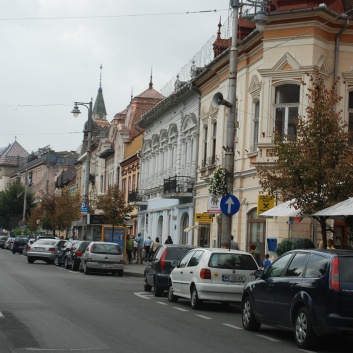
[337,44]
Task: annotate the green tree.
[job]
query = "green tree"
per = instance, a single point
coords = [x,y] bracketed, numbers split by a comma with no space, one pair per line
[316,168]
[12,203]
[113,206]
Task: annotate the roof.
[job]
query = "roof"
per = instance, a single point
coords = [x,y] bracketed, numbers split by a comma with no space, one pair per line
[13,155]
[99,106]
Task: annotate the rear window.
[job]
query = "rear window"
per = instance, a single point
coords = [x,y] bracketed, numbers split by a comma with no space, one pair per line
[346,265]
[44,242]
[317,266]
[106,249]
[175,253]
[232,261]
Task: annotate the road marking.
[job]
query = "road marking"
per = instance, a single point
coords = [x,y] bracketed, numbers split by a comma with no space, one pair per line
[162,303]
[175,307]
[303,350]
[1,315]
[268,338]
[61,349]
[144,295]
[232,326]
[204,317]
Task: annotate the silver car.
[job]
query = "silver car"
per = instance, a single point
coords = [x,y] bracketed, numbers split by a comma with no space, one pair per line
[103,257]
[44,249]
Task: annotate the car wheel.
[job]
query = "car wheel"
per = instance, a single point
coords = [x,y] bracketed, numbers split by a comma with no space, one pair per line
[56,261]
[157,291]
[120,273]
[67,266]
[86,271]
[74,266]
[14,252]
[248,316]
[195,301]
[146,286]
[80,268]
[304,334]
[171,297]
[30,259]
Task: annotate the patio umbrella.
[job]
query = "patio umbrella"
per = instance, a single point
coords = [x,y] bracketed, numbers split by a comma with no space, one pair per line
[282,210]
[341,209]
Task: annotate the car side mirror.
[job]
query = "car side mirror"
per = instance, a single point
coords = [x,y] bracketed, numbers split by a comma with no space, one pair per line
[259,273]
[175,263]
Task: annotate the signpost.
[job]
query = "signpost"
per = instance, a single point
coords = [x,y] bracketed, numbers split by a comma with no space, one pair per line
[203,218]
[84,209]
[264,203]
[230,205]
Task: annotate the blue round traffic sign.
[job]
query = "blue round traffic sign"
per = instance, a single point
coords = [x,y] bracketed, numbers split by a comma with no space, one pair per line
[230,205]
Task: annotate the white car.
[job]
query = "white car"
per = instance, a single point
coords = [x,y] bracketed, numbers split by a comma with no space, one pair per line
[211,274]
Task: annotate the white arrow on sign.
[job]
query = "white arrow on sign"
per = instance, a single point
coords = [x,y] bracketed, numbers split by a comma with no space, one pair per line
[229,202]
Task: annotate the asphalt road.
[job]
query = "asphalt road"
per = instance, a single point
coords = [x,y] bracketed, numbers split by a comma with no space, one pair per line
[44,308]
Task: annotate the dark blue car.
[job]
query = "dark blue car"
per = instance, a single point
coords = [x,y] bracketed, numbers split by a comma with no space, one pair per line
[307,291]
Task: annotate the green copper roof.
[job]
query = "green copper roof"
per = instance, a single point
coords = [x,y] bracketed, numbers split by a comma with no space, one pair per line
[99,106]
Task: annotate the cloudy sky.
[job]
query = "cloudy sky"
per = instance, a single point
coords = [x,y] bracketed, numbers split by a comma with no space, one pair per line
[51,52]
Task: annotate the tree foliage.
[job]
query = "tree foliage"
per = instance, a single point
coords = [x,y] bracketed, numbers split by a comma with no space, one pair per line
[316,168]
[12,203]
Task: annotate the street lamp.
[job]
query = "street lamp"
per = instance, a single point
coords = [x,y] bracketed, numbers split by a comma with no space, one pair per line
[76,111]
[231,125]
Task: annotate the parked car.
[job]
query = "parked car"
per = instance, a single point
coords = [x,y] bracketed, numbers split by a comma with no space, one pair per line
[211,274]
[18,244]
[44,249]
[29,243]
[307,291]
[9,242]
[103,257]
[61,255]
[73,257]
[3,239]
[158,269]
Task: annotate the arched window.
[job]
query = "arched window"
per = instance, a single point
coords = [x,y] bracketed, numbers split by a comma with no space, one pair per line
[256,232]
[287,109]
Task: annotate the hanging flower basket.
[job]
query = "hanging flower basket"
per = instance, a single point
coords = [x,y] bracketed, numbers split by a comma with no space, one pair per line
[218,186]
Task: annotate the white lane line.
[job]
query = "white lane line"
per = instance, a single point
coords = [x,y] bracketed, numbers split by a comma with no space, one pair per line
[66,349]
[303,350]
[268,338]
[1,315]
[162,303]
[144,295]
[175,307]
[204,317]
[232,326]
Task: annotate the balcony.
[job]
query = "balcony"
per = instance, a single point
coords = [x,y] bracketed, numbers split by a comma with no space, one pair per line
[135,198]
[208,165]
[178,187]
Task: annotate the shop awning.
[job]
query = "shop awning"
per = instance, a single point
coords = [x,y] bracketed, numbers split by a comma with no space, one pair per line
[283,210]
[187,229]
[341,209]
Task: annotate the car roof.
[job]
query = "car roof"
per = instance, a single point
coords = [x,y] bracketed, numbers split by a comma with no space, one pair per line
[222,250]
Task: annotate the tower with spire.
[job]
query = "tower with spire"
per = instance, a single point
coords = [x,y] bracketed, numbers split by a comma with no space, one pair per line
[99,111]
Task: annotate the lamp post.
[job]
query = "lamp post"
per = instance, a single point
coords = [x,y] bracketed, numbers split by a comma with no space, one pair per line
[76,111]
[231,123]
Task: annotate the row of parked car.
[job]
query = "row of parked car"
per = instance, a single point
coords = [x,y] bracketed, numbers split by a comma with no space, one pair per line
[308,291]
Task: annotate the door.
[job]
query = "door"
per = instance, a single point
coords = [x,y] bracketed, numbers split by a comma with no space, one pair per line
[177,274]
[188,273]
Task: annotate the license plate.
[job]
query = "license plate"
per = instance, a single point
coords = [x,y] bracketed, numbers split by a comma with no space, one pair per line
[39,249]
[105,265]
[233,278]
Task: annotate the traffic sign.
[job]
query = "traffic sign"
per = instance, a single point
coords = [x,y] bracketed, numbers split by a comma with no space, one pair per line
[230,205]
[84,208]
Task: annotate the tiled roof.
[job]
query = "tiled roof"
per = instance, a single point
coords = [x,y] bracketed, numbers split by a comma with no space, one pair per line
[13,155]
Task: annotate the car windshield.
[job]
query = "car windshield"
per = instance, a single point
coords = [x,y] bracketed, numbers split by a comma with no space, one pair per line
[175,253]
[106,249]
[232,261]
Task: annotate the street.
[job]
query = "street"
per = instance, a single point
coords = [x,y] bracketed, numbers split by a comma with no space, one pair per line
[44,308]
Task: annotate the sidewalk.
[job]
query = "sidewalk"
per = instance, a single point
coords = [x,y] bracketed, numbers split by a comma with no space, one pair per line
[134,269]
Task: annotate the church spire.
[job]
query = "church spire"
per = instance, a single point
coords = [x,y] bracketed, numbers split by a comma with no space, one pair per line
[99,111]
[151,84]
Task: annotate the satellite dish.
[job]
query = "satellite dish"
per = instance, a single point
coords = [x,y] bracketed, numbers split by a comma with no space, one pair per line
[218,100]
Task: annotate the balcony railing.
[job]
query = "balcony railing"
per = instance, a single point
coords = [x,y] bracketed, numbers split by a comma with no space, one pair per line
[178,184]
[133,196]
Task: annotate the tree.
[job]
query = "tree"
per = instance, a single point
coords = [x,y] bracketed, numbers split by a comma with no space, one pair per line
[12,203]
[316,168]
[113,206]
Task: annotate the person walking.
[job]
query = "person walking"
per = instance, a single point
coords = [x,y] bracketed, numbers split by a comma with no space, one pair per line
[169,240]
[147,245]
[330,244]
[129,247]
[256,255]
[139,248]
[134,250]
[267,261]
[154,246]
[233,244]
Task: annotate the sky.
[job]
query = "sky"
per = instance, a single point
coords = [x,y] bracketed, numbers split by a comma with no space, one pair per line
[52,50]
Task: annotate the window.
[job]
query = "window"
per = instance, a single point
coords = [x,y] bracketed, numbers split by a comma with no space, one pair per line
[185,260]
[205,133]
[194,261]
[297,265]
[350,118]
[276,269]
[214,143]
[317,266]
[255,126]
[287,107]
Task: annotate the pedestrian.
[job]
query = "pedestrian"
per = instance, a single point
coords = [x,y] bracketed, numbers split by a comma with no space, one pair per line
[129,247]
[233,244]
[139,248]
[154,246]
[134,250]
[256,255]
[147,245]
[169,240]
[330,244]
[267,261]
